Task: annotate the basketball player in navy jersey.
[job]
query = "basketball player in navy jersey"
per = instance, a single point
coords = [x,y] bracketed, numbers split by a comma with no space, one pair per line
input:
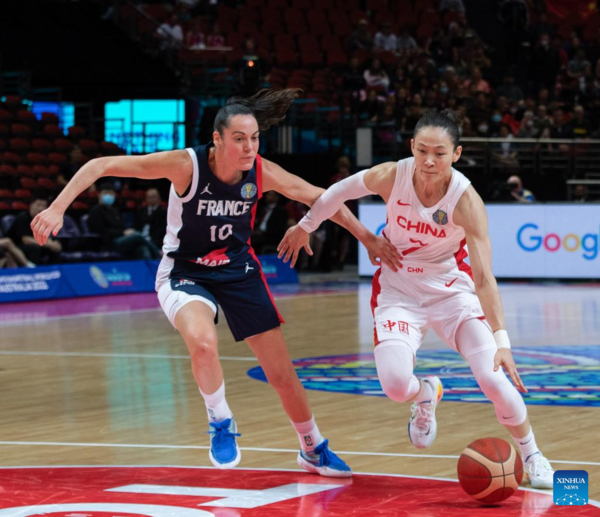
[208,261]
[433,212]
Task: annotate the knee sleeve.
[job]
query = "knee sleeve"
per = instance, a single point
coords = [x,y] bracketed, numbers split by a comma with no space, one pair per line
[395,364]
[508,403]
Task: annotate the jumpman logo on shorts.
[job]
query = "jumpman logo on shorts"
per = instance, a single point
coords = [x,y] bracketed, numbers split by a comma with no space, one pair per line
[248,267]
[206,191]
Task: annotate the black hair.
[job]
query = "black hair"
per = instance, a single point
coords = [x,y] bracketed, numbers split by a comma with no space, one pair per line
[268,107]
[107,185]
[446,119]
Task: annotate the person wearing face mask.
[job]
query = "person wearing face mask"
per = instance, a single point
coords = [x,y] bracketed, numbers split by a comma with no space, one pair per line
[105,220]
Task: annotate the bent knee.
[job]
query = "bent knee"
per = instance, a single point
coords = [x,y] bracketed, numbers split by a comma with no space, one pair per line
[399,389]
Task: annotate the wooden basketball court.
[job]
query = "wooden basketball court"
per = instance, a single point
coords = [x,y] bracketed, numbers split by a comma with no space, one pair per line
[107,381]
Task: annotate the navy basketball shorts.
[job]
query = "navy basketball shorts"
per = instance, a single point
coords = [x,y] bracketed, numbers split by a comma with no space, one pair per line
[241,291]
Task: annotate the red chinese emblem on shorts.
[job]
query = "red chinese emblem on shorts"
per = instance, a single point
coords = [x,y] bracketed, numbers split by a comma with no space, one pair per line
[396,326]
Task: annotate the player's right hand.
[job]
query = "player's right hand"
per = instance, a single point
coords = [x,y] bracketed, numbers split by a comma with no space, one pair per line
[48,222]
[293,241]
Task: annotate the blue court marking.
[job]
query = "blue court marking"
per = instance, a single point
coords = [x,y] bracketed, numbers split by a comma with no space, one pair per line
[554,376]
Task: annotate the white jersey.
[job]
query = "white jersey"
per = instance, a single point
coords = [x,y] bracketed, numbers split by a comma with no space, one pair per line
[427,238]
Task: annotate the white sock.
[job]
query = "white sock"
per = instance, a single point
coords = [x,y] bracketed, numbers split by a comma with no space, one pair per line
[216,405]
[308,435]
[527,445]
[425,392]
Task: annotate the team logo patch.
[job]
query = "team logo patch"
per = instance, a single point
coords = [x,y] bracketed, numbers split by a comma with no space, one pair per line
[440,217]
[249,190]
[399,327]
[207,492]
[555,376]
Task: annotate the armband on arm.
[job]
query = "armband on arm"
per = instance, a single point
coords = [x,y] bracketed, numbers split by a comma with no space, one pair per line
[333,199]
[501,338]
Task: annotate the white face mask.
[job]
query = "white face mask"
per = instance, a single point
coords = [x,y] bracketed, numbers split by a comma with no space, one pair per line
[483,128]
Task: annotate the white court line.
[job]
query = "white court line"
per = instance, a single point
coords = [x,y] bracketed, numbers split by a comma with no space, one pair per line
[254,449]
[137,356]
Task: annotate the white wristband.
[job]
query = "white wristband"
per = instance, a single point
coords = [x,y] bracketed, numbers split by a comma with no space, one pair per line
[501,338]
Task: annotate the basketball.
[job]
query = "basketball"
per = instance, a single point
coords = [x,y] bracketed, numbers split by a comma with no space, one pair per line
[490,470]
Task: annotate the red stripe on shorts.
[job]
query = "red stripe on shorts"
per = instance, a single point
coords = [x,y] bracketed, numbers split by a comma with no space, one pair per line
[376,290]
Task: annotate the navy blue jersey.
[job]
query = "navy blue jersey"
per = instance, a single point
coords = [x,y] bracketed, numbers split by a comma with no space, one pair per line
[210,225]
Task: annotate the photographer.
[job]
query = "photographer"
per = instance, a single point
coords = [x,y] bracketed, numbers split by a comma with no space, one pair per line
[518,192]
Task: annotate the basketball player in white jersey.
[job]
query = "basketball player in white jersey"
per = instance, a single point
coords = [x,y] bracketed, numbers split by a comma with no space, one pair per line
[433,213]
[209,262]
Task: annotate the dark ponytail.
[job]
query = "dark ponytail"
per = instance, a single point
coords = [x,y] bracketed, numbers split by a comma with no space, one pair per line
[268,107]
[446,119]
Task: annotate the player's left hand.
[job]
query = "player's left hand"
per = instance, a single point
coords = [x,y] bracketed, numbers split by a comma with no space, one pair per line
[382,251]
[293,241]
[505,359]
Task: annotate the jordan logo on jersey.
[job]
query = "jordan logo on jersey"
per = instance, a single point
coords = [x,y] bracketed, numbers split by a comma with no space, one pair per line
[206,191]
[420,227]
[214,258]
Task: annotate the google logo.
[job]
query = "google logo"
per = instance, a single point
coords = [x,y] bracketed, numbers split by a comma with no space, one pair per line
[529,239]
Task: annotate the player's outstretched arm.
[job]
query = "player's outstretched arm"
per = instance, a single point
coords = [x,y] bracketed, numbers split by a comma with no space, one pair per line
[173,165]
[471,215]
[293,187]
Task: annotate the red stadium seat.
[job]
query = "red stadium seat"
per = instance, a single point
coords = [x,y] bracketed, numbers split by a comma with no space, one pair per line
[36,157]
[430,18]
[49,118]
[338,16]
[278,4]
[80,205]
[247,27]
[256,4]
[57,158]
[293,16]
[425,31]
[297,29]
[286,58]
[308,43]
[5,193]
[4,205]
[3,129]
[53,131]
[26,116]
[12,157]
[53,170]
[383,17]
[42,144]
[47,183]
[302,4]
[7,170]
[110,148]
[271,27]
[3,144]
[348,5]
[342,29]
[19,144]
[88,146]
[5,115]
[22,193]
[25,170]
[312,59]
[315,16]
[424,5]
[63,145]
[388,58]
[76,131]
[284,42]
[28,183]
[19,205]
[272,14]
[377,5]
[21,129]
[357,15]
[249,13]
[40,170]
[331,42]
[13,102]
[335,58]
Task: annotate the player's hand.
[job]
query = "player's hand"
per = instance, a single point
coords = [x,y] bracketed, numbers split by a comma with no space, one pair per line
[48,222]
[382,251]
[293,241]
[505,359]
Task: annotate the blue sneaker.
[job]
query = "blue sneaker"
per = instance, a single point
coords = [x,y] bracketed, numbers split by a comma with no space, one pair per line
[224,451]
[324,462]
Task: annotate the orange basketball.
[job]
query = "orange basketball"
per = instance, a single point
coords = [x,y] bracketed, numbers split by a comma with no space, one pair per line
[490,470]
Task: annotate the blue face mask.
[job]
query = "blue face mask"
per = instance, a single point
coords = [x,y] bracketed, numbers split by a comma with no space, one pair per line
[497,118]
[107,199]
[444,90]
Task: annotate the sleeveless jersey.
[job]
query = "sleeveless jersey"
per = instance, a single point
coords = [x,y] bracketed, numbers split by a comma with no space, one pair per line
[428,239]
[210,225]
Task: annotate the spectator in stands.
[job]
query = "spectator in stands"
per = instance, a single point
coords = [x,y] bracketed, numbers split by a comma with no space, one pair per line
[195,39]
[452,5]
[560,128]
[369,108]
[21,234]
[105,220]
[504,153]
[580,124]
[518,192]
[151,221]
[406,43]
[69,168]
[385,40]
[578,65]
[509,89]
[546,63]
[170,33]
[360,38]
[580,194]
[215,38]
[529,128]
[11,256]
[476,82]
[376,77]
[271,224]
